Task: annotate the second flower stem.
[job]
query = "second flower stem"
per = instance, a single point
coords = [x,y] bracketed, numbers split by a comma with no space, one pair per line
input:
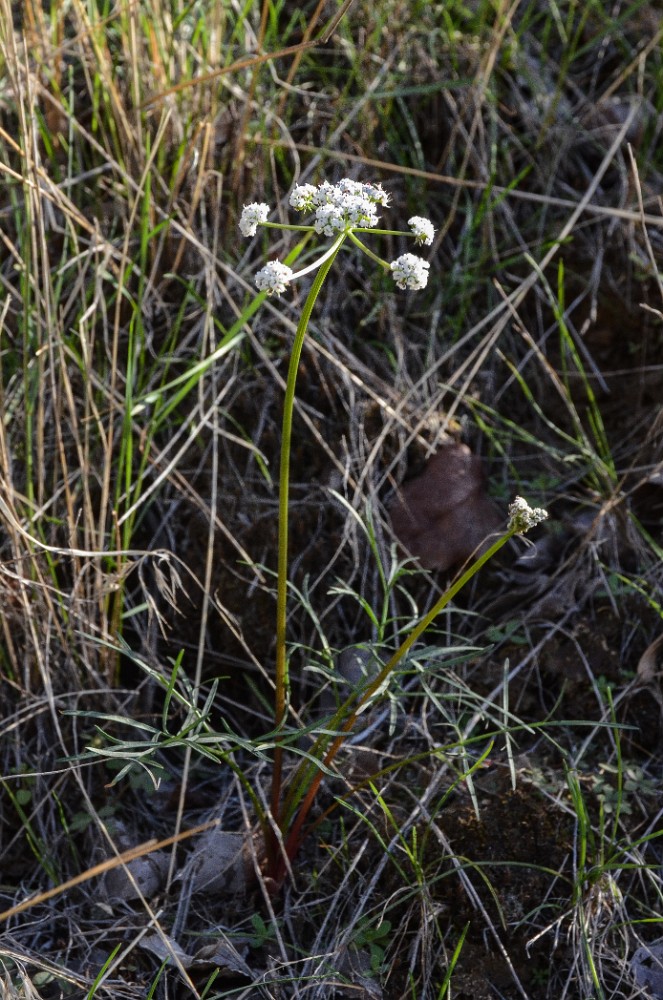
[344,720]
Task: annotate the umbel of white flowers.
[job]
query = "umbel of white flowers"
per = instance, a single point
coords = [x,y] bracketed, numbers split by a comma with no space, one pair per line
[522,517]
[339,210]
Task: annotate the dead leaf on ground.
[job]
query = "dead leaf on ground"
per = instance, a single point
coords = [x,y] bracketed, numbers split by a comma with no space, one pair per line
[219,953]
[648,673]
[165,949]
[644,698]
[444,515]
[223,954]
[647,967]
[144,876]
[648,669]
[219,862]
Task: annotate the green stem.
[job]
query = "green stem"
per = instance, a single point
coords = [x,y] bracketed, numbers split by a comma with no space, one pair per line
[369,252]
[345,717]
[281,675]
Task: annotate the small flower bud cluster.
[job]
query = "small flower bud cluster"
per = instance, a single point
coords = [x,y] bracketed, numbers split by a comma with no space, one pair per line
[522,517]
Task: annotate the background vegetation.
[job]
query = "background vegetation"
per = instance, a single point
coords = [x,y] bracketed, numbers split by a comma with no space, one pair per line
[494,829]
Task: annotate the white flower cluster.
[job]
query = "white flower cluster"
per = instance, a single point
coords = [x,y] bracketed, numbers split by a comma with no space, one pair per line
[522,517]
[410,271]
[422,229]
[338,207]
[273,277]
[252,216]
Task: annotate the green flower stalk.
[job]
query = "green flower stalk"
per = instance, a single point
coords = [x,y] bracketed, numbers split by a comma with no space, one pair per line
[340,211]
[307,779]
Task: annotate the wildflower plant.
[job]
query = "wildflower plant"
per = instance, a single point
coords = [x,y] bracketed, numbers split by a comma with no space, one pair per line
[342,212]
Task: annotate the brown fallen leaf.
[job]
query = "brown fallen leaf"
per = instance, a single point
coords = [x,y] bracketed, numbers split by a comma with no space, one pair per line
[444,515]
[648,669]
[644,697]
[220,952]
[142,876]
[219,862]
[647,967]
